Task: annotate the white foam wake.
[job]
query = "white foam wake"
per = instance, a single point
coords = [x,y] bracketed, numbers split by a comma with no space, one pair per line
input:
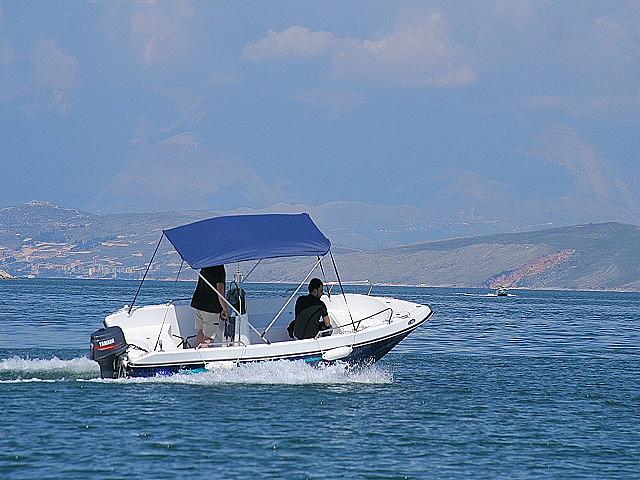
[280,372]
[30,380]
[32,370]
[21,369]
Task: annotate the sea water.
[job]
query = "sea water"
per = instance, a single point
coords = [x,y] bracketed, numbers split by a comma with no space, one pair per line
[535,385]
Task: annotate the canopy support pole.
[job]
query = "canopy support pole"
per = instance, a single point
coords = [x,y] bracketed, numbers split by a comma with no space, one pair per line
[291,298]
[250,272]
[324,278]
[222,297]
[342,290]
[179,270]
[145,273]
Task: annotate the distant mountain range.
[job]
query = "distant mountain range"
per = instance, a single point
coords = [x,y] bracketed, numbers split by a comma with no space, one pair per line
[42,239]
[182,172]
[528,177]
[533,177]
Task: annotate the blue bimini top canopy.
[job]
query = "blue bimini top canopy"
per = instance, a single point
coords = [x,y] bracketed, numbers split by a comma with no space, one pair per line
[221,240]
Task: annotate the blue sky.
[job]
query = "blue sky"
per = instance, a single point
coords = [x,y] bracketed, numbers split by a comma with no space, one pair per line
[371,101]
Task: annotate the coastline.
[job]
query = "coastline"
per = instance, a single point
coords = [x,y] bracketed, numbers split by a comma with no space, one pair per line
[374,284]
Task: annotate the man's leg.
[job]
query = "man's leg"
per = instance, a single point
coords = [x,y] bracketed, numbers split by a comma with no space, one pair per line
[199,327]
[211,326]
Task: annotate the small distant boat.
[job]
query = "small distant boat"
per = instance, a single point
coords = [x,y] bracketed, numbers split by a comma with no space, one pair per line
[6,275]
[161,339]
[502,291]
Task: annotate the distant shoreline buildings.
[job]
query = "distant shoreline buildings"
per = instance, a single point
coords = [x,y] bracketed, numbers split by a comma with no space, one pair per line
[45,241]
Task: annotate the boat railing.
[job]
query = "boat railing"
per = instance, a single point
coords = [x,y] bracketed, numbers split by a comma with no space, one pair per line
[174,300]
[330,285]
[356,323]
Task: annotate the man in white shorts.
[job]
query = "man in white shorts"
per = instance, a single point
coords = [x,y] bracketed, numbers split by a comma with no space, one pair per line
[211,313]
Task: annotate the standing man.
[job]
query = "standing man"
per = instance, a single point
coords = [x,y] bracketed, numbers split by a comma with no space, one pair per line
[211,312]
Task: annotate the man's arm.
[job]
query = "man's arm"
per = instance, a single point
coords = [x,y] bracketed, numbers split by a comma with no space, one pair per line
[325,316]
[221,288]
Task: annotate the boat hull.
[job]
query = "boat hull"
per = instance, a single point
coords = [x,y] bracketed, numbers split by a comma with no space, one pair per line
[361,354]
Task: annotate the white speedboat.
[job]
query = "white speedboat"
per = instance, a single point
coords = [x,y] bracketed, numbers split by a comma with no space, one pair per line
[160,339]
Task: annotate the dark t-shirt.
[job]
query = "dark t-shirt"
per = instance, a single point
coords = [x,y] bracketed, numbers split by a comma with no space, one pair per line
[204,298]
[309,301]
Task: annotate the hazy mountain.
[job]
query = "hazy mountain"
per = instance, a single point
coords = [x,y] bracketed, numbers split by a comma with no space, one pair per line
[183,173]
[529,175]
[550,176]
[599,188]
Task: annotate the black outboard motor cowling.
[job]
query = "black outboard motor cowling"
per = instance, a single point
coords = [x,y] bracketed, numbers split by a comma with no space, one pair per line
[107,344]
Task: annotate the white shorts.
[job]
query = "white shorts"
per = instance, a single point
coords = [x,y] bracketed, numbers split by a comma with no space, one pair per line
[211,325]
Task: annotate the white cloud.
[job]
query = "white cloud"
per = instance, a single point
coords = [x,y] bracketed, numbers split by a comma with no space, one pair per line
[423,54]
[419,54]
[295,41]
[160,30]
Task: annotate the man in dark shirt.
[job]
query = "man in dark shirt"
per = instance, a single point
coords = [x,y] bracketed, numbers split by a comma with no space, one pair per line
[311,313]
[211,312]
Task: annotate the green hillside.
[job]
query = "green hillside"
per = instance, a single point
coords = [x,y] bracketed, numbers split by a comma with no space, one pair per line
[593,256]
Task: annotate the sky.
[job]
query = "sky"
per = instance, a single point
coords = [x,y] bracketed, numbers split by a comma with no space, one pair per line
[193,104]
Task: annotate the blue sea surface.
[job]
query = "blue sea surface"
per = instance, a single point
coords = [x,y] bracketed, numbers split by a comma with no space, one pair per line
[535,385]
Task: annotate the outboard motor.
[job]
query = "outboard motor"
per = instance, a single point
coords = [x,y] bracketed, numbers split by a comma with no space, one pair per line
[107,344]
